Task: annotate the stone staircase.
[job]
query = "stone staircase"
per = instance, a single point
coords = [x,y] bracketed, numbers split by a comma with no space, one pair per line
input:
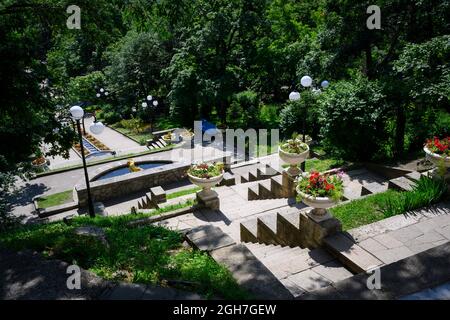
[285,228]
[152,199]
[242,176]
[156,144]
[357,183]
[297,251]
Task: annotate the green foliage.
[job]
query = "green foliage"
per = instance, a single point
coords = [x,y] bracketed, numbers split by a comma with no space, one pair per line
[426,192]
[183,192]
[148,254]
[384,205]
[243,111]
[135,65]
[82,88]
[55,199]
[299,113]
[353,118]
[363,211]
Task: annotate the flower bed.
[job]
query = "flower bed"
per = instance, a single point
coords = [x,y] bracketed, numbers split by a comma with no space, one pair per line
[317,185]
[98,144]
[294,146]
[438,146]
[206,170]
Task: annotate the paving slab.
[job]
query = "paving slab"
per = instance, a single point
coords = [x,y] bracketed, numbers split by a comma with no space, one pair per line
[350,254]
[208,238]
[250,272]
[309,280]
[333,271]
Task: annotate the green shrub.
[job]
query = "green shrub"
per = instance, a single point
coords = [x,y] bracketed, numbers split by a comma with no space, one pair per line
[243,111]
[353,119]
[294,113]
[426,192]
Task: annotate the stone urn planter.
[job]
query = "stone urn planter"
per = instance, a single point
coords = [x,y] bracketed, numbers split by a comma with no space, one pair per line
[40,163]
[205,184]
[206,176]
[320,191]
[293,159]
[436,158]
[319,204]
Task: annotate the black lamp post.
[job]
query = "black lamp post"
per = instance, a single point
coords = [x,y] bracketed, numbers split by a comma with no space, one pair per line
[97,127]
[151,102]
[306,82]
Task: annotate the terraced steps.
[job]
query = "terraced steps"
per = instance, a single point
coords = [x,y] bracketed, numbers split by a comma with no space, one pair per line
[152,199]
[254,173]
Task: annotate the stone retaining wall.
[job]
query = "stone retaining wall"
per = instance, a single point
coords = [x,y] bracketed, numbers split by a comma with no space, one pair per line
[120,186]
[102,190]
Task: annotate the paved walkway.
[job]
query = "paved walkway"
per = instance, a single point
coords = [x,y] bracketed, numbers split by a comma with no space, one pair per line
[28,276]
[110,138]
[402,236]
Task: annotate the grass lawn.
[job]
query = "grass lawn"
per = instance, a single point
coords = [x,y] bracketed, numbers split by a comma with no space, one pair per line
[55,199]
[146,254]
[390,203]
[141,138]
[321,165]
[183,192]
[363,211]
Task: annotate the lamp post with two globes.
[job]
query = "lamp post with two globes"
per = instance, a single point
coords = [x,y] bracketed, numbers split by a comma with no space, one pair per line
[306,82]
[151,102]
[77,114]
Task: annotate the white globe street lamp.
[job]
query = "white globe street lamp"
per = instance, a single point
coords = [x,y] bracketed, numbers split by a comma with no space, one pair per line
[96,127]
[144,105]
[149,97]
[106,93]
[102,90]
[155,103]
[306,81]
[294,96]
[98,95]
[325,84]
[77,112]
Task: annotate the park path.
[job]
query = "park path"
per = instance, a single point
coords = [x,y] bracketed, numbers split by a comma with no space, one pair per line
[110,138]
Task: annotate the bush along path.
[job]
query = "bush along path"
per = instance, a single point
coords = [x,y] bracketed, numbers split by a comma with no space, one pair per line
[111,249]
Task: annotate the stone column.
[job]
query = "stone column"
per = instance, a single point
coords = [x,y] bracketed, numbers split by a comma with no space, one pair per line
[208,198]
[314,228]
[288,184]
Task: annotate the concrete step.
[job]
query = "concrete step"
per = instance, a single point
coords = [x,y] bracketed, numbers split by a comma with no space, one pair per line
[161,141]
[253,175]
[401,184]
[352,190]
[248,231]
[288,229]
[264,190]
[351,255]
[281,255]
[253,192]
[267,229]
[229,179]
[298,261]
[266,172]
[373,188]
[159,144]
[414,176]
[245,178]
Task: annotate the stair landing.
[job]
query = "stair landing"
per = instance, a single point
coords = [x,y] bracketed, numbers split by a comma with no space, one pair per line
[300,270]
